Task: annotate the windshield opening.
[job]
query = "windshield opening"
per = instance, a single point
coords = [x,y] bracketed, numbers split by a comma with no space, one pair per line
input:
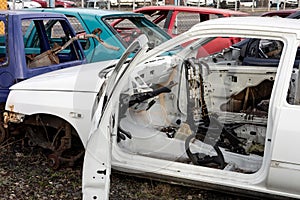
[130,28]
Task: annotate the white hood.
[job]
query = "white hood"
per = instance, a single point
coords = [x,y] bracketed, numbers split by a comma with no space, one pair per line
[83,78]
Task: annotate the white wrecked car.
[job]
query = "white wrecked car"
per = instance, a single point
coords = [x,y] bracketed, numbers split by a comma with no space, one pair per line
[227,121]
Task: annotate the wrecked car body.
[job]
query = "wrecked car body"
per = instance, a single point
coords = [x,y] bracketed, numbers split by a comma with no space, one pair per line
[228,120]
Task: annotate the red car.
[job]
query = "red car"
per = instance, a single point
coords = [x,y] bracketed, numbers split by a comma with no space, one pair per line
[279,13]
[178,19]
[58,3]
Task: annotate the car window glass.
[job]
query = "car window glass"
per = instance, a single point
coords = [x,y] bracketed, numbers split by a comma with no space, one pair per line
[204,105]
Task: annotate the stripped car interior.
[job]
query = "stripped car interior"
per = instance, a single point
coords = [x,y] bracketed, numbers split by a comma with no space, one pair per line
[209,111]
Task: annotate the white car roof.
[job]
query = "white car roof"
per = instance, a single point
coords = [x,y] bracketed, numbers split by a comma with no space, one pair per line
[277,24]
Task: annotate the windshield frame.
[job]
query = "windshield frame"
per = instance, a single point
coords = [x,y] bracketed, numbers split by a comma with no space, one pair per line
[137,46]
[140,22]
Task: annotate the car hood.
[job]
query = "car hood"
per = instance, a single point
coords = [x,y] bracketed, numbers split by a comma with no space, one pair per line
[82,78]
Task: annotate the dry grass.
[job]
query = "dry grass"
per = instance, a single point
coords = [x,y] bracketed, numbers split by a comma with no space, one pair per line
[25,175]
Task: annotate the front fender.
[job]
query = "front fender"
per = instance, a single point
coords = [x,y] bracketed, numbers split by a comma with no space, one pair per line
[74,107]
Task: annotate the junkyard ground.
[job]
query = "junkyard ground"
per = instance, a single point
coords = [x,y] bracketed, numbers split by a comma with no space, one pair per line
[25,174]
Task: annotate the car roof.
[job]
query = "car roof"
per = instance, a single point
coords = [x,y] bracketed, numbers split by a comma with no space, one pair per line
[204,10]
[280,13]
[27,12]
[87,11]
[282,25]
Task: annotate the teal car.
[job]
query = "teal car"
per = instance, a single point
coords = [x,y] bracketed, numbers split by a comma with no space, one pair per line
[116,28]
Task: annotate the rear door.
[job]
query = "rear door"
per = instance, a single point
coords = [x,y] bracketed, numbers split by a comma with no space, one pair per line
[284,171]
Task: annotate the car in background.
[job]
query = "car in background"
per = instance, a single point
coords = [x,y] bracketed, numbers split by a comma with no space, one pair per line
[58,3]
[283,3]
[20,4]
[116,28]
[130,2]
[44,3]
[176,20]
[279,13]
[200,3]
[248,3]
[96,4]
[160,2]
[225,4]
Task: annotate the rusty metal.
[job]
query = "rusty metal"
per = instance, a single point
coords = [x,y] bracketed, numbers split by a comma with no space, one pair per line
[11,116]
[65,142]
[38,139]
[72,159]
[53,161]
[48,132]
[40,132]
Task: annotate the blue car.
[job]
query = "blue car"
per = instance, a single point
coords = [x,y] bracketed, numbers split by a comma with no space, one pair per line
[116,28]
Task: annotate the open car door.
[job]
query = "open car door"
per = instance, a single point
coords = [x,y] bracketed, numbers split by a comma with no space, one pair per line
[97,160]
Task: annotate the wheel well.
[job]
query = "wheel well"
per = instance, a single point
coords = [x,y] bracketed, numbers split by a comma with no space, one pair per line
[55,135]
[50,123]
[50,120]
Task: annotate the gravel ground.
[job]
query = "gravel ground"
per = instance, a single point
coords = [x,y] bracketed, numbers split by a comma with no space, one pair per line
[24,174]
